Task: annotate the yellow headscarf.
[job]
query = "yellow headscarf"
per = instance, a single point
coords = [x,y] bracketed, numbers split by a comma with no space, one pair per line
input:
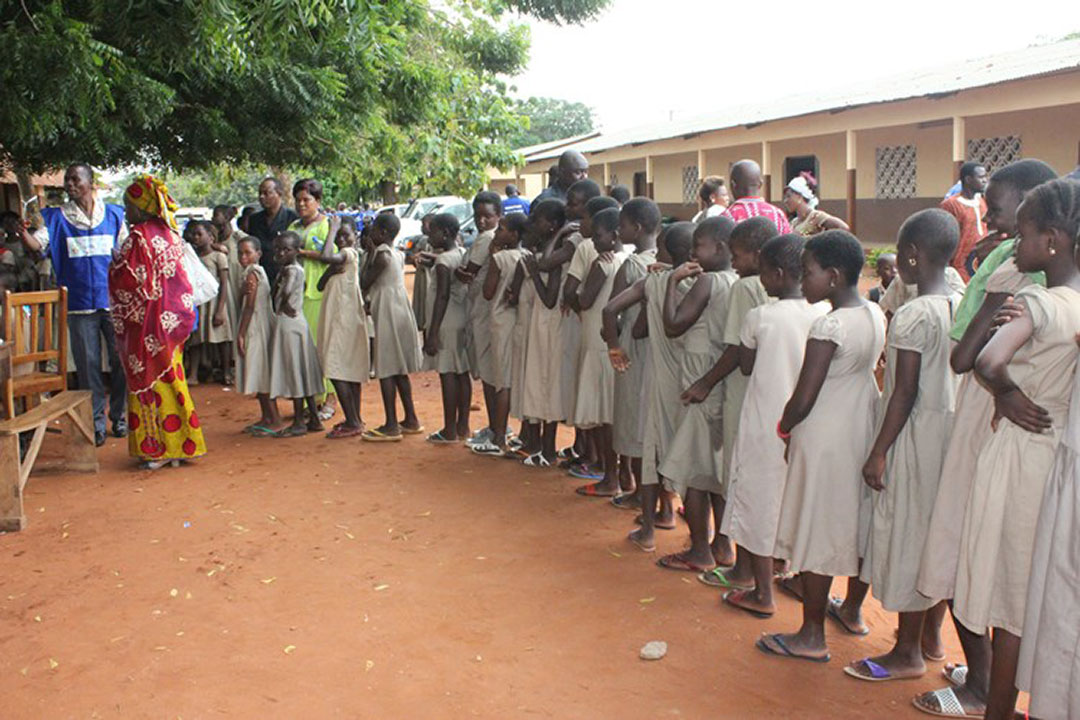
[150,194]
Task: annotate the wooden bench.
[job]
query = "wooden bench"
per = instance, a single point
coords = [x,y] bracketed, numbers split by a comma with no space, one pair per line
[37,337]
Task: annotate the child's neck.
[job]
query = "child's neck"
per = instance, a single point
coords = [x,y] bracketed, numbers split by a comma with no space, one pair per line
[844,297]
[1062,273]
[204,251]
[790,292]
[646,243]
[933,281]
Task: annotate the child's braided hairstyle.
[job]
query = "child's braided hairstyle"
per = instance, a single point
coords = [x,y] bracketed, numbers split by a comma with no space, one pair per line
[1056,205]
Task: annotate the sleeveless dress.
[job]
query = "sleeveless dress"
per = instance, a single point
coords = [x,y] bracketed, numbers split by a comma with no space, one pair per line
[695,459]
[663,375]
[629,385]
[899,515]
[253,369]
[294,361]
[595,382]
[453,356]
[342,336]
[397,349]
[503,320]
[818,529]
[1001,522]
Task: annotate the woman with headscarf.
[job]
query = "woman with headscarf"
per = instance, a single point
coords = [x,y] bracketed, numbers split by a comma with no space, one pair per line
[799,198]
[153,313]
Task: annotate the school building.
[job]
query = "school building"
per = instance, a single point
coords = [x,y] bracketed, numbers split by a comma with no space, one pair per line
[44,186]
[880,151]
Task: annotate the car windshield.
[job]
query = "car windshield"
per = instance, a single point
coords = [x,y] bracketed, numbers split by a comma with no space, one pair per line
[418,209]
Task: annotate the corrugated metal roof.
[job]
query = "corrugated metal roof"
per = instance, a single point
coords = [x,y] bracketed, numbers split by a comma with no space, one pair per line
[942,80]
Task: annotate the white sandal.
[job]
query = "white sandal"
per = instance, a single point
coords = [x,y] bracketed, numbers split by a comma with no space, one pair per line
[536,460]
[950,705]
[957,676]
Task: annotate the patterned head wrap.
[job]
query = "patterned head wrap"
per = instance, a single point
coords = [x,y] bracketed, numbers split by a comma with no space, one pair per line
[804,184]
[150,194]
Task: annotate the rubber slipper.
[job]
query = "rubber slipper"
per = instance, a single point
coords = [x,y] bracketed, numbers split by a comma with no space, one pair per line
[949,705]
[717,578]
[833,611]
[955,674]
[583,473]
[590,490]
[678,561]
[568,453]
[379,436]
[626,501]
[877,672]
[784,651]
[732,597]
[437,438]
[488,449]
[643,547]
[260,431]
[659,526]
[412,431]
[326,413]
[344,432]
[291,432]
[933,658]
[536,460]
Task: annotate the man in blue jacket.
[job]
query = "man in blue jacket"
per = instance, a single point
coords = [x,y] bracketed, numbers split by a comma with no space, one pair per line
[79,238]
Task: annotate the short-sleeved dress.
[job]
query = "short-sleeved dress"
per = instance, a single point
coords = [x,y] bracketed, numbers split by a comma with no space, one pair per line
[236,271]
[342,338]
[595,402]
[522,322]
[818,530]
[777,332]
[216,262]
[663,386]
[453,355]
[253,369]
[695,458]
[971,428]
[900,514]
[503,319]
[1000,525]
[423,303]
[746,294]
[900,294]
[481,362]
[294,362]
[397,346]
[629,385]
[1049,666]
[571,330]
[543,394]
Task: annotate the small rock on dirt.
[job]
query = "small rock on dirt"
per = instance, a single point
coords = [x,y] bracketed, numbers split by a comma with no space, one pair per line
[653,650]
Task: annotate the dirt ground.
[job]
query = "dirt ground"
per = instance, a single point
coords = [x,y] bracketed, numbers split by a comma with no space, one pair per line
[315,578]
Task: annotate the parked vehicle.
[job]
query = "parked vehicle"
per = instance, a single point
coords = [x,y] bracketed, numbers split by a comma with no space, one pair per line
[418,208]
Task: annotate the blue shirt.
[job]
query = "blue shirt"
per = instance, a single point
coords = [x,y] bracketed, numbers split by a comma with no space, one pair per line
[81,255]
[514,205]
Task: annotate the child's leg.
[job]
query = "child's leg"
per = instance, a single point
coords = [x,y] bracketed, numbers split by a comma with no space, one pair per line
[547,442]
[645,536]
[697,506]
[605,447]
[313,423]
[501,416]
[849,611]
[226,362]
[666,514]
[347,401]
[298,414]
[627,480]
[270,416]
[905,659]
[388,388]
[722,549]
[448,383]
[973,693]
[932,646]
[489,405]
[404,388]
[464,402]
[530,437]
[194,357]
[809,641]
[760,599]
[1001,700]
[743,571]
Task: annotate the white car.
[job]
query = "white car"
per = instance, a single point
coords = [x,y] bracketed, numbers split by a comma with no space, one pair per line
[418,208]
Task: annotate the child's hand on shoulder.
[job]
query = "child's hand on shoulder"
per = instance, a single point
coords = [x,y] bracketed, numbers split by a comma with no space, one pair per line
[1010,310]
[657,267]
[606,257]
[463,275]
[874,470]
[687,270]
[568,229]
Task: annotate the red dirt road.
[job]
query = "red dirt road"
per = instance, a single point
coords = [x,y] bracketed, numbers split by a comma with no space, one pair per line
[323,578]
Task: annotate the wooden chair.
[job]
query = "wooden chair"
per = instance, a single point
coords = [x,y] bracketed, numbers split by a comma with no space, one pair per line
[36,329]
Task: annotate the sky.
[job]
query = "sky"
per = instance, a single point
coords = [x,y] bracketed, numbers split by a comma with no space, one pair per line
[646,61]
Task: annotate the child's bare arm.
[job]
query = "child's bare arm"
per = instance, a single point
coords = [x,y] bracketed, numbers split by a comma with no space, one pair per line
[963,355]
[905,391]
[681,316]
[222,297]
[570,299]
[992,367]
[513,293]
[723,367]
[563,251]
[609,316]
[373,268]
[594,283]
[442,300]
[747,356]
[491,281]
[815,367]
[549,291]
[251,288]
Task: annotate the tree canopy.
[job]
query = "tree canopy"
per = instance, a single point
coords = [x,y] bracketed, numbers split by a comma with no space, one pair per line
[551,119]
[401,90]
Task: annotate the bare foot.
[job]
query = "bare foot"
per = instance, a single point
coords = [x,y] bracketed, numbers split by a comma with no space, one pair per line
[749,601]
[933,649]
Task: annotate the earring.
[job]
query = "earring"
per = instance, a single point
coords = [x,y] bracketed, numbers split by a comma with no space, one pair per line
[911,262]
[1053,251]
[832,283]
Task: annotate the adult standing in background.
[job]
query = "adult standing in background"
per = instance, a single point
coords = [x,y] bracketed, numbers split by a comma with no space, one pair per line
[746,185]
[800,199]
[268,222]
[79,237]
[713,196]
[514,203]
[572,167]
[969,208]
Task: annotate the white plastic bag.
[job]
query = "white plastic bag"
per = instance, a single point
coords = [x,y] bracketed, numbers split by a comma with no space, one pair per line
[204,286]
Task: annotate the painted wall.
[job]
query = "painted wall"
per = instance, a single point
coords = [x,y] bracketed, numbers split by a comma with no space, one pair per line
[667,178]
[832,167]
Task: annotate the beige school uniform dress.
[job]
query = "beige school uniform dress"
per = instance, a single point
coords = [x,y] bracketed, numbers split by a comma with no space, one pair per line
[899,515]
[818,530]
[778,332]
[397,350]
[663,377]
[629,385]
[253,369]
[695,458]
[423,302]
[595,402]
[522,323]
[900,294]
[216,262]
[236,271]
[294,362]
[1049,666]
[579,266]
[746,294]
[453,355]
[481,363]
[343,340]
[503,319]
[544,396]
[971,429]
[1000,525]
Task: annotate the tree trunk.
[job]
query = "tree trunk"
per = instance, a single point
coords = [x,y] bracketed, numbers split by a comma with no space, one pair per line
[389,192]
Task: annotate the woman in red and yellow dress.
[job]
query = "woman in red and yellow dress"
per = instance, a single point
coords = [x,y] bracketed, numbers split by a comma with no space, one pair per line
[153,313]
